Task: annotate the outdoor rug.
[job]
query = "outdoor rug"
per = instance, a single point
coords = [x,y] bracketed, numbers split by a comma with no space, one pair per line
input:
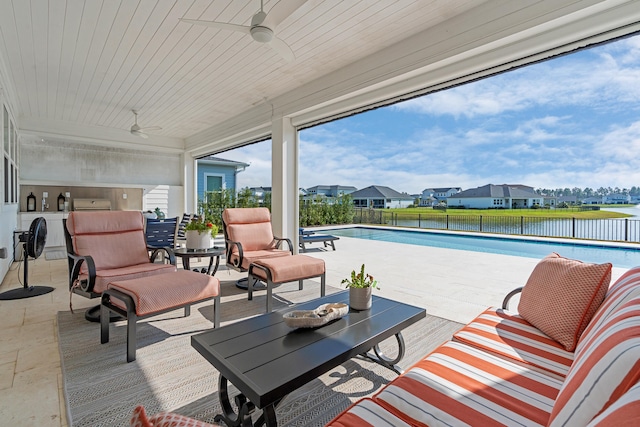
[102,389]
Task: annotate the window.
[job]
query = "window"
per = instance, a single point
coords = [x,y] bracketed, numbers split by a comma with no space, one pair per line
[10,150]
[214,183]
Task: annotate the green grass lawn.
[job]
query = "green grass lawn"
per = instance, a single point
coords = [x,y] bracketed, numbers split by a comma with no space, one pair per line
[549,213]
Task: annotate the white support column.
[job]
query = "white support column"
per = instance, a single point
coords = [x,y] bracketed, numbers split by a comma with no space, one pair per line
[284,180]
[190,183]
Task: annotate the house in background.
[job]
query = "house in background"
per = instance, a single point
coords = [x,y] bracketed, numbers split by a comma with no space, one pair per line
[215,173]
[569,200]
[330,190]
[259,192]
[617,199]
[491,196]
[433,196]
[326,193]
[380,197]
[594,200]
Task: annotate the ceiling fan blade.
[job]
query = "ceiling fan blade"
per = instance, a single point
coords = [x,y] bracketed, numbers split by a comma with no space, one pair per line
[140,134]
[282,48]
[281,11]
[218,25]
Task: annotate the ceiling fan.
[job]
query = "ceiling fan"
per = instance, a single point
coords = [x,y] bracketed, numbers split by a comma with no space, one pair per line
[137,130]
[262,26]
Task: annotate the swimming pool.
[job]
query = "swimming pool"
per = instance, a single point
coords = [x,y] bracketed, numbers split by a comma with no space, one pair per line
[619,256]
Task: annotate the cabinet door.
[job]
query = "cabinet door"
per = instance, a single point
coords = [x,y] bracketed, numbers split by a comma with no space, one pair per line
[55,234]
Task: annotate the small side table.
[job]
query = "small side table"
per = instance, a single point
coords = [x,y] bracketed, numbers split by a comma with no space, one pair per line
[211,253]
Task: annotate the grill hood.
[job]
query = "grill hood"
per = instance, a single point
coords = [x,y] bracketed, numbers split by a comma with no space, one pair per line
[91,204]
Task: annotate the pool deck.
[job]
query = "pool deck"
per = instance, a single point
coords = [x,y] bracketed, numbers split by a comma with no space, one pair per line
[449,283]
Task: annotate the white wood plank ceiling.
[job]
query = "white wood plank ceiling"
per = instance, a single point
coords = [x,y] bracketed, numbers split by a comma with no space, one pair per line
[78,67]
[89,63]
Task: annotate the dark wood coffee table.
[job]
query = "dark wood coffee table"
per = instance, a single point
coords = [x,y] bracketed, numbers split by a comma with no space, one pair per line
[211,253]
[265,359]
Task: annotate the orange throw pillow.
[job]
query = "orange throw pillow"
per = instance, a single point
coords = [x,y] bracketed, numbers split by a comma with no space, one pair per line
[562,295]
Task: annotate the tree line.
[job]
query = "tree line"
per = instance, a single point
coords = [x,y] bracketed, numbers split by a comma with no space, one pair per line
[583,193]
[316,211]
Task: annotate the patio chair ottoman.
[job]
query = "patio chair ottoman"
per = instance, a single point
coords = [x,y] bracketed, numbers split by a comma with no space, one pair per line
[148,296]
[275,271]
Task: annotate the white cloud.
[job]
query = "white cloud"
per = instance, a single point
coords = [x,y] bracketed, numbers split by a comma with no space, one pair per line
[585,79]
[568,122]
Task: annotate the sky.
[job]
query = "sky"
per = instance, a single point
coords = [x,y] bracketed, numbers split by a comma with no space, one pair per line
[572,121]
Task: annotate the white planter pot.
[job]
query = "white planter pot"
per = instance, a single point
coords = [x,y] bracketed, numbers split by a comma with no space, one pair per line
[197,240]
[360,298]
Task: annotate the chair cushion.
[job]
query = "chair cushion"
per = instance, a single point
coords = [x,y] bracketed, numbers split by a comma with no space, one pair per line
[288,269]
[246,215]
[459,384]
[104,277]
[562,295]
[252,237]
[251,256]
[366,413]
[623,412]
[624,289]
[509,335]
[161,292]
[164,419]
[104,234]
[605,368]
[101,222]
[249,226]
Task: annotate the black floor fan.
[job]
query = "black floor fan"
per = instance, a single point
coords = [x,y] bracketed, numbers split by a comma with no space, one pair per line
[32,245]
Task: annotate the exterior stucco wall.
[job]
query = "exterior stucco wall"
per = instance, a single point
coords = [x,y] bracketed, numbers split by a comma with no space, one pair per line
[64,162]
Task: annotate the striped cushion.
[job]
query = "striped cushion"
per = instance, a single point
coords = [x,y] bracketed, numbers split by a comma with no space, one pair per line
[509,335]
[366,413]
[623,412]
[458,384]
[624,289]
[606,367]
[562,295]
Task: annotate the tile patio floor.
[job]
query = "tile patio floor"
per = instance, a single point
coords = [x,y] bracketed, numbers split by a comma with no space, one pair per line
[453,284]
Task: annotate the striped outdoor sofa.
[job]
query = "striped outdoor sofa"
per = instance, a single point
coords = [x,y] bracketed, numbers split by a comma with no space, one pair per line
[500,369]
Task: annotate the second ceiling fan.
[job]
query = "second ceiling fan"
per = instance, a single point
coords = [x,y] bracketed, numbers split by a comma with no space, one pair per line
[139,131]
[262,26]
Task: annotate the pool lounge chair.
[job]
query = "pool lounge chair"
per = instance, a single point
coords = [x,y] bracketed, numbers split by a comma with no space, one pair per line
[307,237]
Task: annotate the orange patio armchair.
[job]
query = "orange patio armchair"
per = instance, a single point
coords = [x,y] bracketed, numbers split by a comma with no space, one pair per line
[248,237]
[109,246]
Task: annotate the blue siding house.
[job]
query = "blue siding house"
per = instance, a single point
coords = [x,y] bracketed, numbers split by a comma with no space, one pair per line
[215,174]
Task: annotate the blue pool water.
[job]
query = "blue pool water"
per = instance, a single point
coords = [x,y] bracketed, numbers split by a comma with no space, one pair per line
[619,257]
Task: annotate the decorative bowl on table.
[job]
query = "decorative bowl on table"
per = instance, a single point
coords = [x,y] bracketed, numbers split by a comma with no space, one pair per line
[317,317]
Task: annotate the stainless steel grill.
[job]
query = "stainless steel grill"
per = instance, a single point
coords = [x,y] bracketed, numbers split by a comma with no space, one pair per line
[91,204]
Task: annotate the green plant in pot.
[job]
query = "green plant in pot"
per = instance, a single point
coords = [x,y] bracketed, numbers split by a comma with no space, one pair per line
[360,287]
[200,233]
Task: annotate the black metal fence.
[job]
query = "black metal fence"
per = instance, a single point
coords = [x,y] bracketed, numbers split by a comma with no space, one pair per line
[620,230]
